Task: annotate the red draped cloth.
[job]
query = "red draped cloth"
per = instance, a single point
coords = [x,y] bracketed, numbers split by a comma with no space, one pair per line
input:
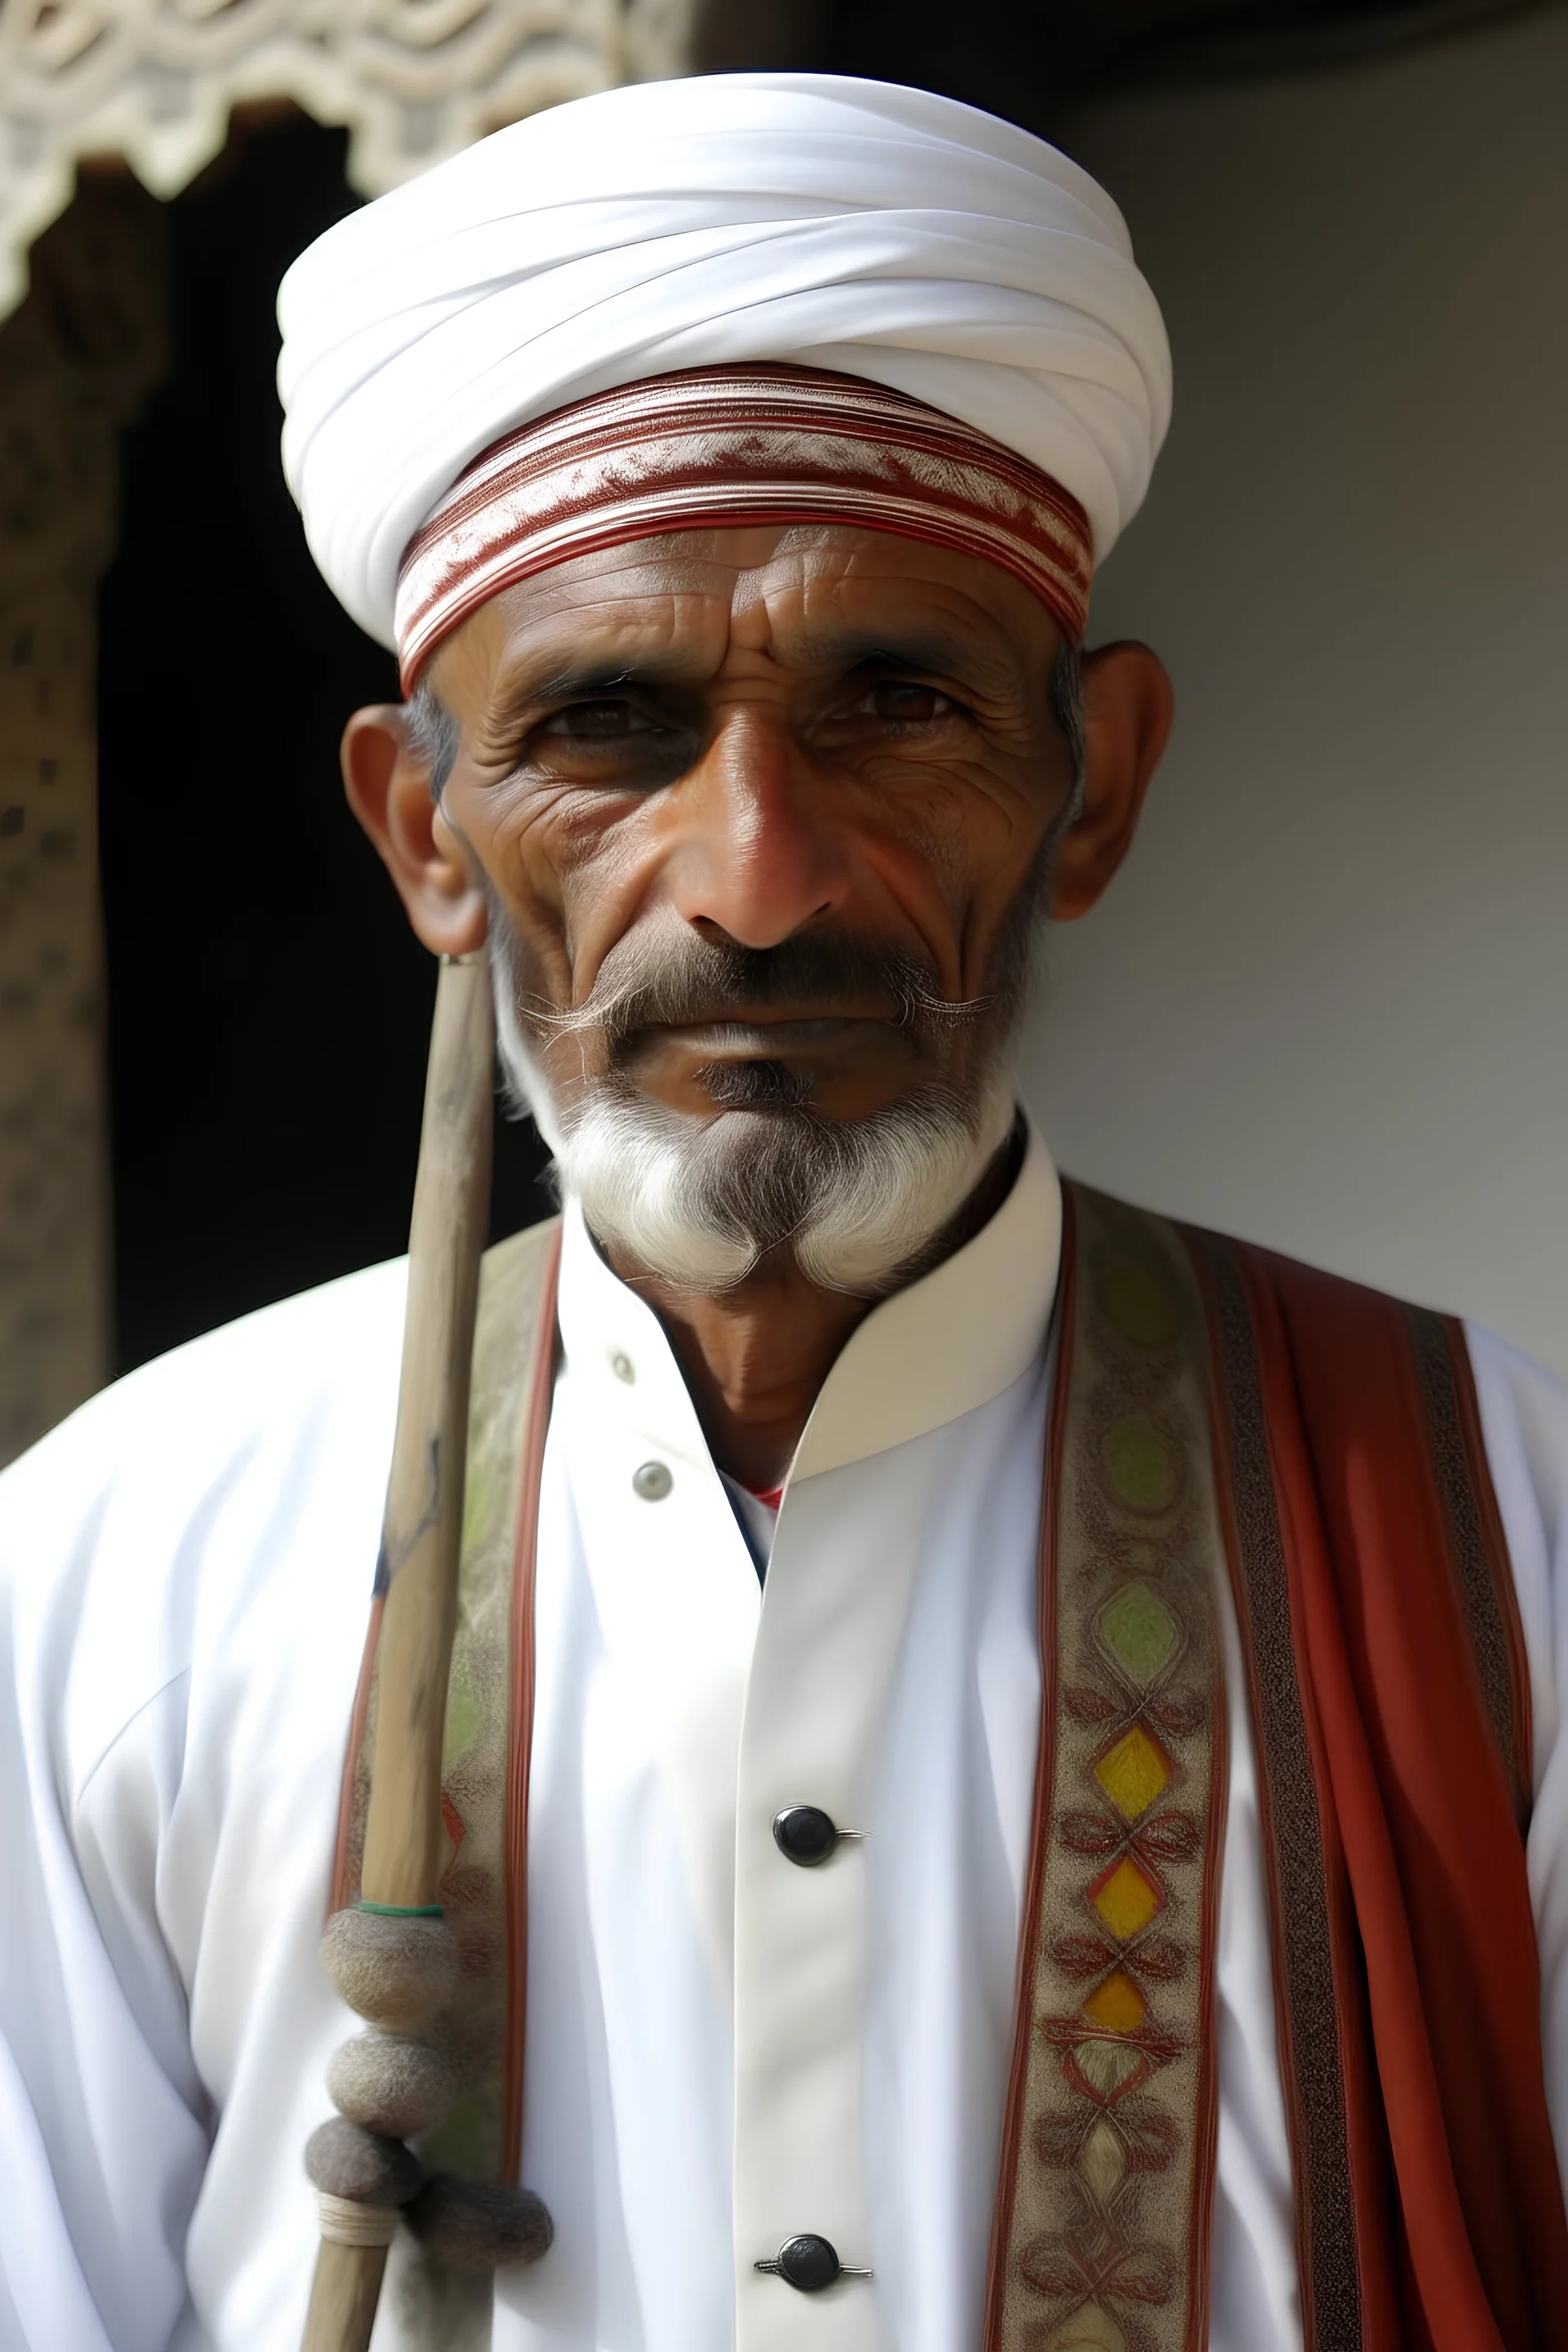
[1415,1710]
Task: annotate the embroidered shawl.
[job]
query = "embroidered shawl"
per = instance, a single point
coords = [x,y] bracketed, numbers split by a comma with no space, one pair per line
[1218,1413]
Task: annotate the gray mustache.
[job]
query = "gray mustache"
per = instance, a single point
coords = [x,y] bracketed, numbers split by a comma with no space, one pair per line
[658,977]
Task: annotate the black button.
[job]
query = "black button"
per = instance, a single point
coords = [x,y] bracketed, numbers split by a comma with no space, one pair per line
[806,1834]
[808,2263]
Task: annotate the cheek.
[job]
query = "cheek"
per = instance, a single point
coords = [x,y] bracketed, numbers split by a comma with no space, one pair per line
[930,807]
[981,839]
[975,832]
[567,867]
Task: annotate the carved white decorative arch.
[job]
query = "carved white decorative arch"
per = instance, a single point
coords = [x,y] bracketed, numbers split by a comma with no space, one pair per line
[154,81]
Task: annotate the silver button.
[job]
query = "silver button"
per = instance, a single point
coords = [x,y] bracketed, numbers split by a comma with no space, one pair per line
[653,1481]
[622,1366]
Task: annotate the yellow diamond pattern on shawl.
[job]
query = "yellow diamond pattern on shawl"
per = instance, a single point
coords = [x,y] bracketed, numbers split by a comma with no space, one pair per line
[1141,1302]
[1125,1899]
[1140,1630]
[1102,2161]
[1116,2006]
[464,1718]
[1134,1772]
[1089,2329]
[1140,1463]
[1104,2066]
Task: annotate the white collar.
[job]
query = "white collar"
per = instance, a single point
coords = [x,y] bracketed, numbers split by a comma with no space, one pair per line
[939,1348]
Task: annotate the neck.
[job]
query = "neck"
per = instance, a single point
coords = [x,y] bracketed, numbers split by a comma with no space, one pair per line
[755,1358]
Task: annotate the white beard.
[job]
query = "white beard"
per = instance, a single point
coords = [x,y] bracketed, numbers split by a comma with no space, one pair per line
[697,1201]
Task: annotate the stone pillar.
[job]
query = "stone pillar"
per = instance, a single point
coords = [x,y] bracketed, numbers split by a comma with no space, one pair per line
[76,359]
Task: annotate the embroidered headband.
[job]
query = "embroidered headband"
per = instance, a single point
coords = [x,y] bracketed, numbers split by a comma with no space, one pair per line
[717,447]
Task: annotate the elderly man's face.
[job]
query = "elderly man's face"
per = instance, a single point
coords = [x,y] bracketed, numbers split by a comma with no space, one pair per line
[770,810]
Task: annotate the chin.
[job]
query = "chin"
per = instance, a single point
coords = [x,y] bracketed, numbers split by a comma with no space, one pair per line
[856,1202]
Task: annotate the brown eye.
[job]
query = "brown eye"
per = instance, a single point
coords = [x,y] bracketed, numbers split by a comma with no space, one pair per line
[904,704]
[598,722]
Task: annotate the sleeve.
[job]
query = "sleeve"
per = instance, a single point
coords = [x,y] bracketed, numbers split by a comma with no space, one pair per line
[102,2122]
[1524,1424]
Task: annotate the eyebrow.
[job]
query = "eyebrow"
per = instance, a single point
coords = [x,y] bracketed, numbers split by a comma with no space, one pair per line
[559,680]
[937,651]
[580,682]
[945,653]
[575,683]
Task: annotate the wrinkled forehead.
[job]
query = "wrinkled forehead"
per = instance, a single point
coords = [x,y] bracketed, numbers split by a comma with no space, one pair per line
[811,598]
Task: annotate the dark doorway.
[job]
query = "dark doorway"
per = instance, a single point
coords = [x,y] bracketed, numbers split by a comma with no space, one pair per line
[267,1006]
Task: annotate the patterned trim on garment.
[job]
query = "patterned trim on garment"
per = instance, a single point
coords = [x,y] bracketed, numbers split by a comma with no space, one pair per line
[1104,2219]
[1305,2009]
[719,447]
[1476,1542]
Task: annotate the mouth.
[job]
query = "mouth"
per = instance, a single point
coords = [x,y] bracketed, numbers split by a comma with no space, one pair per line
[747,1037]
[753,1060]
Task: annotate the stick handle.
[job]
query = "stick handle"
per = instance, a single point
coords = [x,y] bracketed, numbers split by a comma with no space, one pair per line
[343,2296]
[423,1529]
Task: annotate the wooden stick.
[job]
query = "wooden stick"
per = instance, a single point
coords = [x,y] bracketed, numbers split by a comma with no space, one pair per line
[343,2296]
[423,1528]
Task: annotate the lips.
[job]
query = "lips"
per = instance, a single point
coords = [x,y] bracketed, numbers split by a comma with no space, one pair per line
[765,1039]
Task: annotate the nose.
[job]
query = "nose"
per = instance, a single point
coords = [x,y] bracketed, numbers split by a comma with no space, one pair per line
[761,855]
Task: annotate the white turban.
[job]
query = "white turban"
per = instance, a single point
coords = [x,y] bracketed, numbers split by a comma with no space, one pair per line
[854,227]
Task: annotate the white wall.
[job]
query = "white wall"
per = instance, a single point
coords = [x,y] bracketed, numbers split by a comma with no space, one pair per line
[1326,1003]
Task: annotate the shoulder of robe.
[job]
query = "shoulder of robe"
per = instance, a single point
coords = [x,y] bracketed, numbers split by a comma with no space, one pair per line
[1523,1407]
[200,1512]
[1538,1391]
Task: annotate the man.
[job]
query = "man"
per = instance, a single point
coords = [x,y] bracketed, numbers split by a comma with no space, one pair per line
[1042,1823]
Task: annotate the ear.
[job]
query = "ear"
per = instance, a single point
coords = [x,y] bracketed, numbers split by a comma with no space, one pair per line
[387,780]
[1127,711]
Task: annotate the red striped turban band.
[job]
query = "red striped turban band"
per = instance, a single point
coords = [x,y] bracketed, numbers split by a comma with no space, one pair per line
[716,446]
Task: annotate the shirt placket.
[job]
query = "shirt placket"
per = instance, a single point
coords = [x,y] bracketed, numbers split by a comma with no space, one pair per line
[832,1615]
